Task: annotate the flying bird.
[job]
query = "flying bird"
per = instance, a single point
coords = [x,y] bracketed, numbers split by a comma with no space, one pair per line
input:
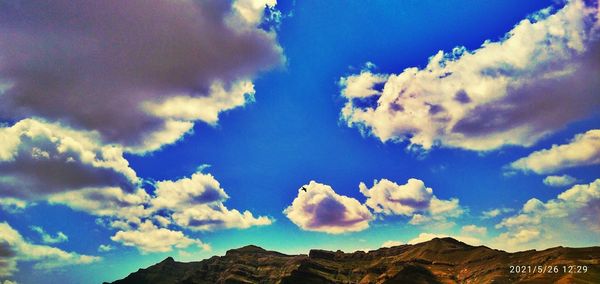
[304,188]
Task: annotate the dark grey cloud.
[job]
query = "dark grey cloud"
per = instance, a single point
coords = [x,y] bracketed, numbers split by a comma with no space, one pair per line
[38,159]
[91,63]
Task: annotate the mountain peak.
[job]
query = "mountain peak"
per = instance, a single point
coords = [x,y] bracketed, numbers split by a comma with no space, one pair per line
[249,249]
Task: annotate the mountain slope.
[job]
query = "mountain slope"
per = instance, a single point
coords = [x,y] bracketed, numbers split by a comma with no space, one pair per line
[444,260]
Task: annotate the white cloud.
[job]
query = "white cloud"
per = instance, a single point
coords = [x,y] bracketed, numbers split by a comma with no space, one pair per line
[108,202]
[582,150]
[39,158]
[495,212]
[196,203]
[13,205]
[49,239]
[14,248]
[105,248]
[474,229]
[411,199]
[207,109]
[570,219]
[482,99]
[251,11]
[388,244]
[149,238]
[319,208]
[558,181]
[208,217]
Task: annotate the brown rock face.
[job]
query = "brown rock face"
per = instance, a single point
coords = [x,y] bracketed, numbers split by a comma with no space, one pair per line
[443,260]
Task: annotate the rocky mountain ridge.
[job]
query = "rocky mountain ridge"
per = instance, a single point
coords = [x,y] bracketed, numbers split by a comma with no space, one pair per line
[440,260]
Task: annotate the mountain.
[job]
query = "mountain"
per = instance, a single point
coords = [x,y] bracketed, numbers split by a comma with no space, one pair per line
[440,260]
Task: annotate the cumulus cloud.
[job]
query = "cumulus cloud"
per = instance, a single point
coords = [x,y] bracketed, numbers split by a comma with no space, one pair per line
[495,212]
[474,229]
[110,202]
[14,248]
[150,238]
[412,199]
[105,248]
[558,181]
[39,158]
[49,239]
[582,150]
[319,208]
[196,203]
[482,99]
[569,219]
[389,244]
[251,11]
[13,205]
[96,66]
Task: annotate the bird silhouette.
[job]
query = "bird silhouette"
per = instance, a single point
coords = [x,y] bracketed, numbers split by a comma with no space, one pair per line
[304,188]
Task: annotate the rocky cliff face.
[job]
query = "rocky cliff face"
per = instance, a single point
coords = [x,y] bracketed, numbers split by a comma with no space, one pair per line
[437,261]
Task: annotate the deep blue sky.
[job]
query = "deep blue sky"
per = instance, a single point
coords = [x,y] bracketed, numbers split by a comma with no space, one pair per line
[292,134]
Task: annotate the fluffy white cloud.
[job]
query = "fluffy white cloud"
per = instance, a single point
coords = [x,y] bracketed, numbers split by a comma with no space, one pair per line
[411,199]
[482,99]
[582,150]
[98,70]
[105,248]
[209,217]
[207,109]
[558,181]
[49,239]
[39,158]
[251,11]
[388,244]
[196,203]
[495,212]
[569,219]
[13,205]
[14,248]
[423,237]
[319,208]
[149,238]
[110,202]
[474,229]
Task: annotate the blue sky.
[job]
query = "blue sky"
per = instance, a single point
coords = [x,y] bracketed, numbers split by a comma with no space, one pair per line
[291,130]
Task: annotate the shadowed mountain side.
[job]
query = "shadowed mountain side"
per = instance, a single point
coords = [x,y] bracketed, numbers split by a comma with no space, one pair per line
[440,260]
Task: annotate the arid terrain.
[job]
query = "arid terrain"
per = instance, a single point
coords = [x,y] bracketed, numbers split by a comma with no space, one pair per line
[440,260]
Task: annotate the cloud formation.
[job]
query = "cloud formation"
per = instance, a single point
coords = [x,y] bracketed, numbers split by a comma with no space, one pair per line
[569,219]
[14,248]
[492,213]
[95,66]
[39,158]
[196,203]
[582,150]
[319,208]
[150,238]
[482,99]
[412,199]
[558,181]
[49,239]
